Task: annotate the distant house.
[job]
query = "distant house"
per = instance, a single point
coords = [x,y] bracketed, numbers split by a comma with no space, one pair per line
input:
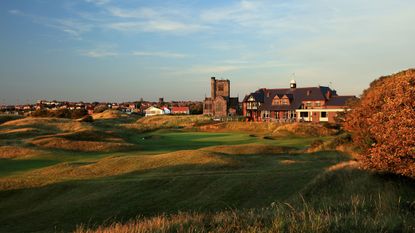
[166,110]
[153,111]
[180,110]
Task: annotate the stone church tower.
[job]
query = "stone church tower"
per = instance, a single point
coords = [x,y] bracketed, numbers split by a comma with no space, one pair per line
[220,104]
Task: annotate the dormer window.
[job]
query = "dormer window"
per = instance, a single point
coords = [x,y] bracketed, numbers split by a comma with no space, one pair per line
[276,100]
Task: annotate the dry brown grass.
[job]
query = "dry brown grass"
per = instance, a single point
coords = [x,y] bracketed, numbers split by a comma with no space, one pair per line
[275,129]
[248,149]
[168,121]
[107,114]
[110,166]
[12,152]
[79,145]
[65,125]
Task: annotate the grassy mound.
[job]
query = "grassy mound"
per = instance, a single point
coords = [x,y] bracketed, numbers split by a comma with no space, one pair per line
[249,149]
[50,124]
[112,166]
[79,145]
[11,152]
[343,200]
[6,118]
[107,114]
[168,121]
[273,129]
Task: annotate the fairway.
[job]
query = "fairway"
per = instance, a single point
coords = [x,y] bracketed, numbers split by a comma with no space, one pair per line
[56,187]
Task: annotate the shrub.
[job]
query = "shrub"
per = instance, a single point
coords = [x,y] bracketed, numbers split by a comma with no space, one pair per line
[100,108]
[79,113]
[383,124]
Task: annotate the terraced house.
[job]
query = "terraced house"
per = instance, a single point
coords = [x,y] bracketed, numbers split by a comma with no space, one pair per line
[313,104]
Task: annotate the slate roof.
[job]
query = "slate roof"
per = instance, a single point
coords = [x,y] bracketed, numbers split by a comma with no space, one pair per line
[296,96]
[339,100]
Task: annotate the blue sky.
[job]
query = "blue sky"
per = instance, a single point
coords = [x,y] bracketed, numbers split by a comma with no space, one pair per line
[108,50]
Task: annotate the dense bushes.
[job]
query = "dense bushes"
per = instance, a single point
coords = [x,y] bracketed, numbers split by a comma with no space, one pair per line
[383,124]
[61,113]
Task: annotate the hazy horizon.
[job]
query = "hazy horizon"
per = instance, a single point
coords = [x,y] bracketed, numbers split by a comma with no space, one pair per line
[107,50]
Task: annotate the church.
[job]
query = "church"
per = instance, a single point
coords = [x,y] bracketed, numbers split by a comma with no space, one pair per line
[220,104]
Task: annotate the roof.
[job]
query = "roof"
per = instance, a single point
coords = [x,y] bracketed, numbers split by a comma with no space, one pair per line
[152,108]
[295,95]
[339,100]
[180,109]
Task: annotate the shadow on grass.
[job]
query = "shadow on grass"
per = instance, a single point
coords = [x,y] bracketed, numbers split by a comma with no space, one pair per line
[255,182]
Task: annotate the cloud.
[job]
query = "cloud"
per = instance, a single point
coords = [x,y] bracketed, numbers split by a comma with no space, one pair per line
[143,12]
[98,2]
[155,26]
[15,12]
[159,54]
[98,53]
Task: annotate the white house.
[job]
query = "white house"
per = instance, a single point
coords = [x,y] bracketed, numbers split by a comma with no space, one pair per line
[153,111]
[166,110]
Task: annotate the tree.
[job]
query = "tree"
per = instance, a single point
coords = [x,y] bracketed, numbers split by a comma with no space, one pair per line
[382,124]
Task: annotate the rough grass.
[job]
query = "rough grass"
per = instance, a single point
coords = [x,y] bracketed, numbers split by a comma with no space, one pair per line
[79,145]
[381,207]
[111,166]
[5,118]
[107,114]
[11,152]
[272,129]
[146,124]
[184,180]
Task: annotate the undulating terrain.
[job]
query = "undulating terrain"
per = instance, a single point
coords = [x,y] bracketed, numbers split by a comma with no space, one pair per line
[185,173]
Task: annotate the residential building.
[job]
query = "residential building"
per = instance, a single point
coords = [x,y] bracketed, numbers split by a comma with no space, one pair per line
[180,110]
[153,111]
[314,104]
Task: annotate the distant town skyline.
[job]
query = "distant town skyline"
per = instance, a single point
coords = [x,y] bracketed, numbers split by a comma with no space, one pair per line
[116,51]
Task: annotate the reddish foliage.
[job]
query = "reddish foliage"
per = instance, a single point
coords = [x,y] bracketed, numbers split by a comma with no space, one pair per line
[383,124]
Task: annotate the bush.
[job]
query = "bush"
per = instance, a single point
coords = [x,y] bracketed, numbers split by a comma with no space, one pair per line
[382,124]
[79,113]
[100,108]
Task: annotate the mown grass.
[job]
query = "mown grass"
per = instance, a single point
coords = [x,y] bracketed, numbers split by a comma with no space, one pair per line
[179,177]
[387,205]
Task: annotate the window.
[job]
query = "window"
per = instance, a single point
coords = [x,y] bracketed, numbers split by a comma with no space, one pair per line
[303,114]
[317,104]
[220,87]
[323,115]
[308,104]
[285,101]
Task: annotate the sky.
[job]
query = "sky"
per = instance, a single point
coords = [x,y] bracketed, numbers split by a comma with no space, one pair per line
[114,50]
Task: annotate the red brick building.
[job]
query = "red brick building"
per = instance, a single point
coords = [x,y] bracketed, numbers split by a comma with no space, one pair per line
[314,104]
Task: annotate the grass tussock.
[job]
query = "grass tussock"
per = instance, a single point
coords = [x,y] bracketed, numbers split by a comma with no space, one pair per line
[79,145]
[12,152]
[111,166]
[107,114]
[348,208]
[146,124]
[53,124]
[273,129]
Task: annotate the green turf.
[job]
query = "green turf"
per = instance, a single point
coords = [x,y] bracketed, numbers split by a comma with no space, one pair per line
[247,181]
